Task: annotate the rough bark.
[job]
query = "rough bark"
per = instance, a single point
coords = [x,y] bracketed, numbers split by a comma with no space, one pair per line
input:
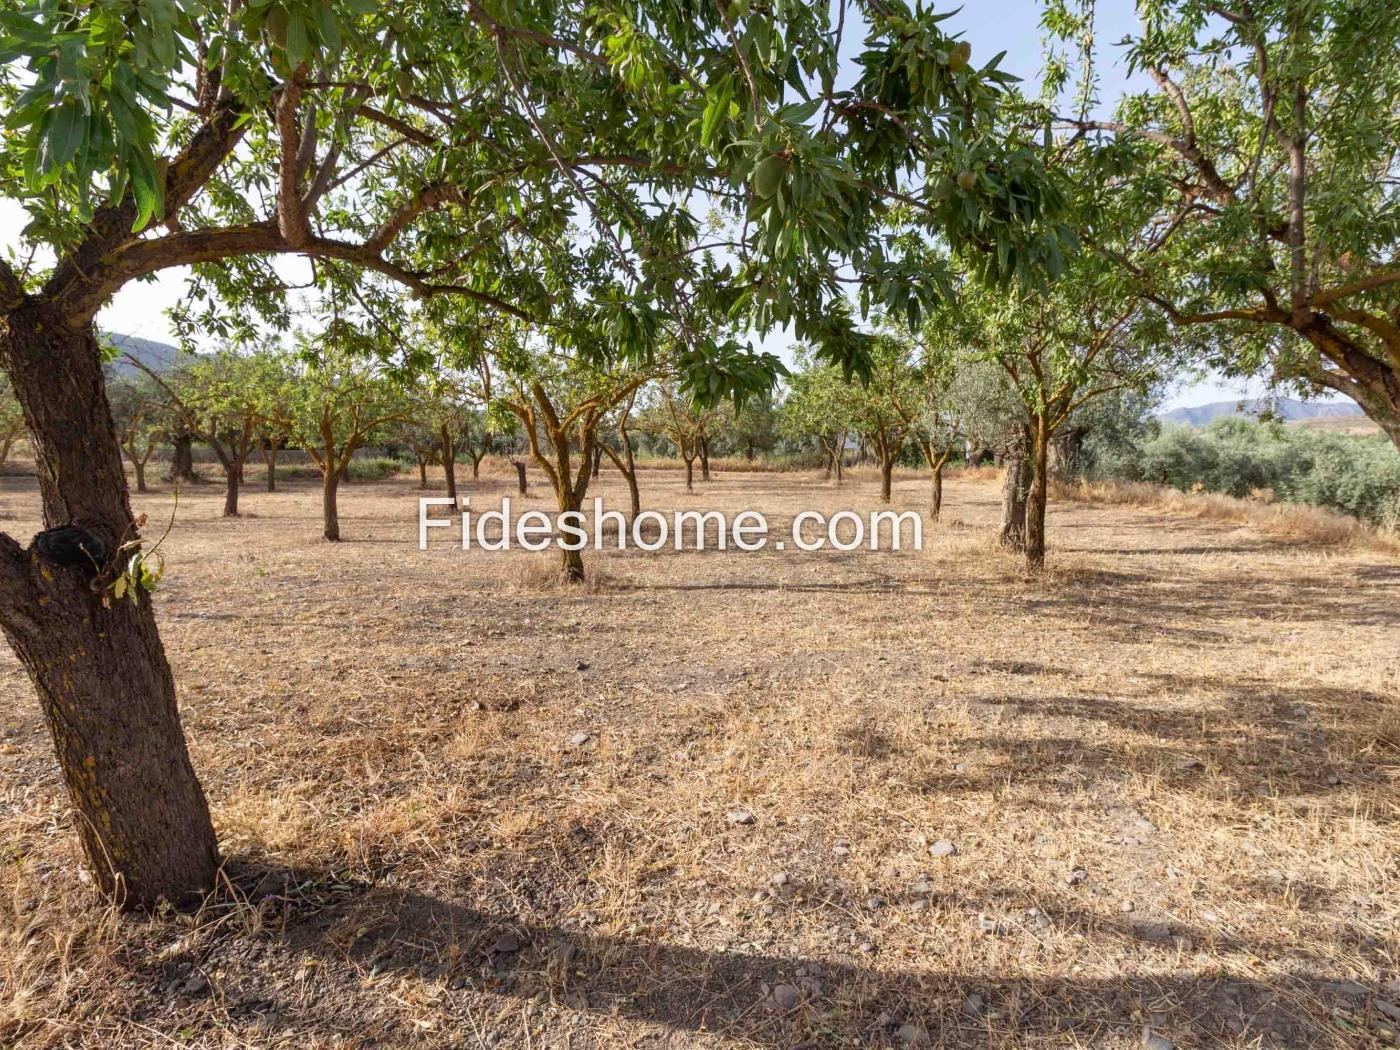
[233,479]
[690,474]
[330,512]
[886,476]
[521,481]
[1037,493]
[422,472]
[704,449]
[935,500]
[1015,482]
[98,666]
[270,448]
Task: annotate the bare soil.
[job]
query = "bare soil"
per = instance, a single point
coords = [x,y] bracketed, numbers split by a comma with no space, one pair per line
[699,802]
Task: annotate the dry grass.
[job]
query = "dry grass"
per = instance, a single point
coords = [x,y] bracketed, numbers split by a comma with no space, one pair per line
[1292,520]
[1200,717]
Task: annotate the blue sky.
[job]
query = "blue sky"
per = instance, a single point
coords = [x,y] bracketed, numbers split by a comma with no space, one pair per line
[1012,26]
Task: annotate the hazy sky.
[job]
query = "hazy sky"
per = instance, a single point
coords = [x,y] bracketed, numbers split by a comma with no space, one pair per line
[991,26]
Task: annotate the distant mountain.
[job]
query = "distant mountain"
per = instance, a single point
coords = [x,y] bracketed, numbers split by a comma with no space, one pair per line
[155,356]
[1283,407]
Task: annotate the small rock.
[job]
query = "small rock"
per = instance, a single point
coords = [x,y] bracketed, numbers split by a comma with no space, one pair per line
[579,739]
[943,848]
[1388,1008]
[739,816]
[1075,877]
[989,925]
[1188,765]
[912,1035]
[867,947]
[506,943]
[1333,780]
[974,1005]
[874,902]
[782,878]
[786,996]
[581,665]
[1127,906]
[1347,988]
[1153,1041]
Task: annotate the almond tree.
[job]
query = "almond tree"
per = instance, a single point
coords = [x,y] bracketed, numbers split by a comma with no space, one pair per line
[1090,336]
[820,404]
[1264,165]
[223,399]
[454,150]
[561,401]
[141,417]
[680,421]
[337,401]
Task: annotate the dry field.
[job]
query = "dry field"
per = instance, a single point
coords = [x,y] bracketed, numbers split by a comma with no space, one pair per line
[701,802]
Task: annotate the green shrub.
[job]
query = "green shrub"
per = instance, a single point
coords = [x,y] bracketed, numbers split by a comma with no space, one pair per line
[376,468]
[1356,475]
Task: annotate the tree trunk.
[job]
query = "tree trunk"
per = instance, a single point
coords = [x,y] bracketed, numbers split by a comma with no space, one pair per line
[182,460]
[1015,482]
[270,458]
[520,480]
[690,474]
[935,502]
[422,473]
[99,668]
[886,475]
[449,463]
[597,461]
[330,486]
[233,477]
[704,459]
[1037,494]
[139,466]
[476,466]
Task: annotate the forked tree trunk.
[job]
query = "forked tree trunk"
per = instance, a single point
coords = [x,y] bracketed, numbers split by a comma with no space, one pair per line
[1037,493]
[1015,482]
[138,466]
[182,460]
[690,474]
[99,668]
[476,466]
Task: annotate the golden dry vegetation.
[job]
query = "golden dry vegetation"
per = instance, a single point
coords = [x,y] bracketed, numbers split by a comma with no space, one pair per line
[701,801]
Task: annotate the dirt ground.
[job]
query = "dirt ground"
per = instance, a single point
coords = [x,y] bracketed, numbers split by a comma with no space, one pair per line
[744,800]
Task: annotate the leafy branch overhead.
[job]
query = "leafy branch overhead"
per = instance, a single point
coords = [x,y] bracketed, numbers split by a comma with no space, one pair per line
[650,165]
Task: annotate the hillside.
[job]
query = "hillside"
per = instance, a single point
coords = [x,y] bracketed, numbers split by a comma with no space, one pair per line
[155,356]
[1286,407]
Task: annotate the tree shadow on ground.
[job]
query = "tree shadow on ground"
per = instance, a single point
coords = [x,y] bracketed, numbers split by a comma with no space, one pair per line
[568,984]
